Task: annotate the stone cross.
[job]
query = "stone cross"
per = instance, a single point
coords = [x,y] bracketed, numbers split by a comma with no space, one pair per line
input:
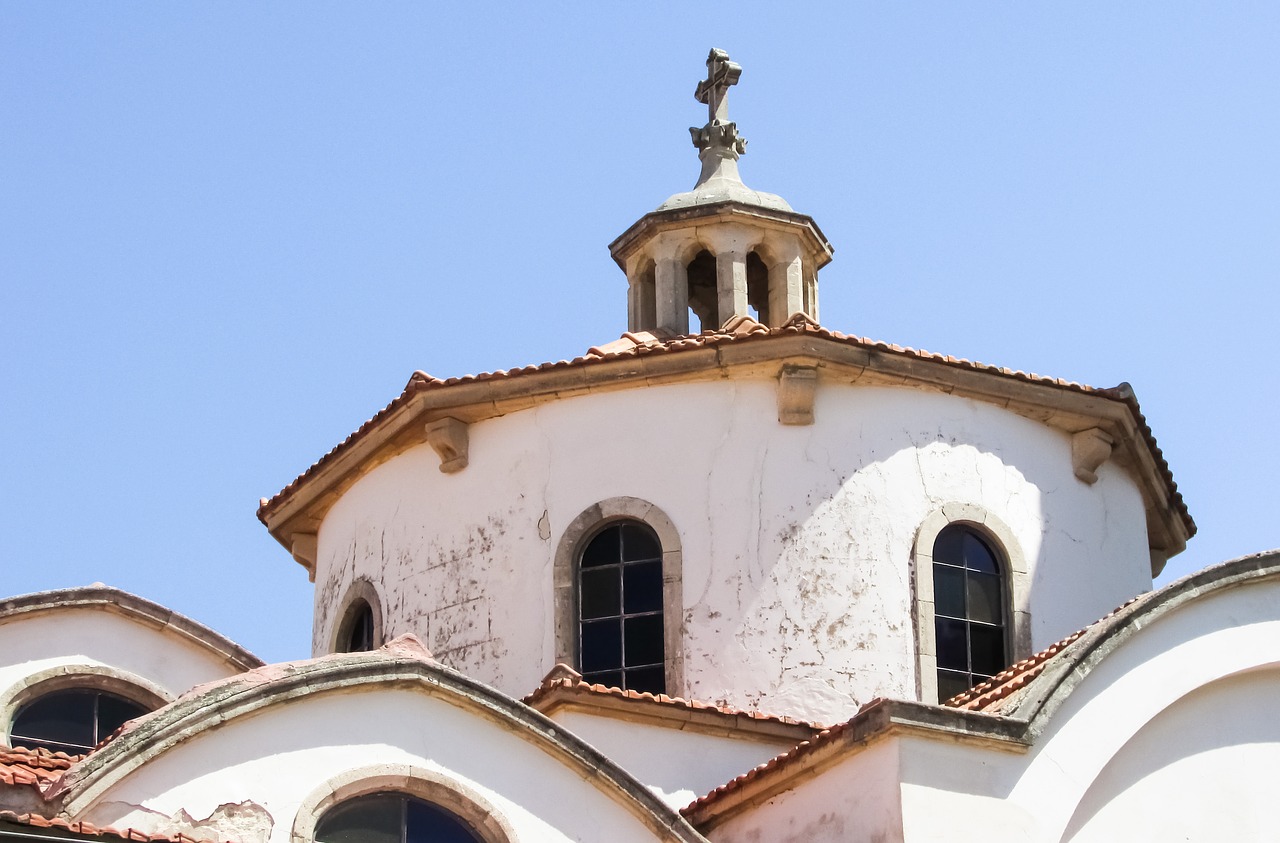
[719,133]
[714,90]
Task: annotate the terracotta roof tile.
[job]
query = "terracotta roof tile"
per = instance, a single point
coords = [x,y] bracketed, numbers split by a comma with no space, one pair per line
[90,830]
[742,329]
[778,762]
[564,680]
[990,696]
[34,767]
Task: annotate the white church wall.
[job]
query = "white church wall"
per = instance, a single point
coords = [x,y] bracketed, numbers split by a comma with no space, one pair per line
[854,801]
[255,773]
[678,765]
[796,540]
[1173,724]
[94,643]
[1217,747]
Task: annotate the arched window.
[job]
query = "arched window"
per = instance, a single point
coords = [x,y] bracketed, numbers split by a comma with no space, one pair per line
[392,818]
[355,635]
[620,622]
[969,610]
[73,720]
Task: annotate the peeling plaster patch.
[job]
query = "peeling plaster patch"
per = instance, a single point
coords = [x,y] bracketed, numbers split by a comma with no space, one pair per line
[243,822]
[544,527]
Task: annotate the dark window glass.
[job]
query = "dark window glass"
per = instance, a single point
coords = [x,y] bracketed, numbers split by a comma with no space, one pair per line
[969,613]
[73,721]
[358,629]
[620,626]
[392,818]
[948,591]
[601,645]
[601,593]
[642,584]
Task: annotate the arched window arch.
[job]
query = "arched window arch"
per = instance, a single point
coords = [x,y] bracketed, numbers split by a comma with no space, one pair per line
[360,627]
[620,612]
[969,609]
[391,817]
[72,720]
[972,590]
[371,804]
[619,599]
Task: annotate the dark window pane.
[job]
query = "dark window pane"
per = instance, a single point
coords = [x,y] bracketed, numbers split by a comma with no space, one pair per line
[977,555]
[948,549]
[360,632]
[644,640]
[984,598]
[639,542]
[647,680]
[951,683]
[948,591]
[988,649]
[608,678]
[426,823]
[371,819]
[951,644]
[600,593]
[642,587]
[604,549]
[65,718]
[601,645]
[114,712]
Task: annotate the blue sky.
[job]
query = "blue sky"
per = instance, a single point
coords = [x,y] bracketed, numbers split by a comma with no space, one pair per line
[229,232]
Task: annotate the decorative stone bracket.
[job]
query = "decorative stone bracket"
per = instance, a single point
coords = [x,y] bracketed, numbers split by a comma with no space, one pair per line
[448,436]
[304,549]
[797,386]
[1089,450]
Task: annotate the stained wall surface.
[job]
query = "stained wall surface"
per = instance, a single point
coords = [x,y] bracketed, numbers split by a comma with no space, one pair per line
[255,776]
[796,540]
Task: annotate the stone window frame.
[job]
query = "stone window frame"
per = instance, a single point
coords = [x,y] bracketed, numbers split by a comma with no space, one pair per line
[1017,587]
[429,785]
[79,677]
[573,541]
[360,590]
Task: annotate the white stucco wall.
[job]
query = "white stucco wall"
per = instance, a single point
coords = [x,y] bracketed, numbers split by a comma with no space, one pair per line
[74,638]
[796,539]
[678,765]
[1171,736]
[855,801]
[1204,770]
[271,762]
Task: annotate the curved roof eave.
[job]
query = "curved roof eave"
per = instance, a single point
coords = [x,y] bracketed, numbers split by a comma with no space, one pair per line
[646,356]
[136,608]
[395,665]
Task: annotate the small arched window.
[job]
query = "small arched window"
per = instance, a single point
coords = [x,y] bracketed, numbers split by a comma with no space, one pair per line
[74,720]
[969,610]
[356,633]
[392,818]
[620,624]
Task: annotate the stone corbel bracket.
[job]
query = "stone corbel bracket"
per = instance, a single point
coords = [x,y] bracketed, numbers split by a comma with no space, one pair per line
[1089,450]
[448,437]
[304,549]
[797,386]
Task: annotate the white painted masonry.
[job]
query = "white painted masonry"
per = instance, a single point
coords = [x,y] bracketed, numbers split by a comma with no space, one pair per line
[796,540]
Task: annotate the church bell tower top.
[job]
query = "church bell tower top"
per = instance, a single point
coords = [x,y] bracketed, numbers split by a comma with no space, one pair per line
[721,251]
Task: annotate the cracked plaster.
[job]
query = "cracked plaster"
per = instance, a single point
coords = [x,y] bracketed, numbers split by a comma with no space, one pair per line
[797,540]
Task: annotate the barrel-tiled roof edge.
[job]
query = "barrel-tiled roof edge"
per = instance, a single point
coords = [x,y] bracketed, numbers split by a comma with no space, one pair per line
[739,330]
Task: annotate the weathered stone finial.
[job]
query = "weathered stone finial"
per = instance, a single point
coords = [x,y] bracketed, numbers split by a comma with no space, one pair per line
[719,139]
[714,93]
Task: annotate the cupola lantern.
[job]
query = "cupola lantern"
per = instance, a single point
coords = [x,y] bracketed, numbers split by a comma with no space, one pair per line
[721,250]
